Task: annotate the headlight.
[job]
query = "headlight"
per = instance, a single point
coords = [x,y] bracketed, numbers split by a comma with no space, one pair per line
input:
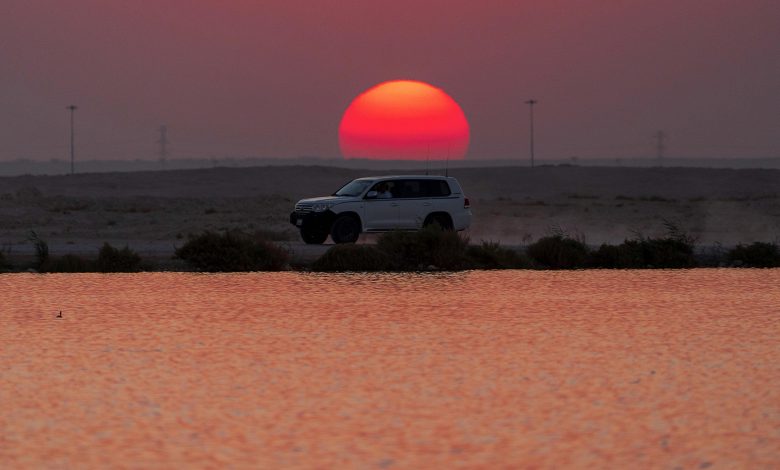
[321,207]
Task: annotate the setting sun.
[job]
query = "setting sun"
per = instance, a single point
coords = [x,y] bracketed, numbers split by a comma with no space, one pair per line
[404,120]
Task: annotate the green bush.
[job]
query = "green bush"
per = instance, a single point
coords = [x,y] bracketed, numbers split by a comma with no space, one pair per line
[431,246]
[662,253]
[421,250]
[713,256]
[417,251]
[114,260]
[491,255]
[558,252]
[615,257]
[232,251]
[350,257]
[666,253]
[673,251]
[755,255]
[66,264]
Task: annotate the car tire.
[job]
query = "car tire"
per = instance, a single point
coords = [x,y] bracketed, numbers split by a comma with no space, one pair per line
[443,221]
[345,229]
[314,236]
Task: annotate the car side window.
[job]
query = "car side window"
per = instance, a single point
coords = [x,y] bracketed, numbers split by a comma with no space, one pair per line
[437,188]
[409,189]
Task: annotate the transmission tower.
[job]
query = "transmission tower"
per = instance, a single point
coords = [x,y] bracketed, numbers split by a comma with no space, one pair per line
[660,144]
[531,104]
[72,109]
[163,144]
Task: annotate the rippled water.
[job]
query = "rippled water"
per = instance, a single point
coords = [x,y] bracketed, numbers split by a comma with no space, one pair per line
[524,369]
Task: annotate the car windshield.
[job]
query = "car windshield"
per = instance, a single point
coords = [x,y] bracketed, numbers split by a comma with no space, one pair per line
[353,188]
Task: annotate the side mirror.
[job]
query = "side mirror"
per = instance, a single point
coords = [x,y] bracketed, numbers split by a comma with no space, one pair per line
[371,195]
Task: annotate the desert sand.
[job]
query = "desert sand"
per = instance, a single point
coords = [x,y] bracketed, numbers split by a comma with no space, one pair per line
[154,212]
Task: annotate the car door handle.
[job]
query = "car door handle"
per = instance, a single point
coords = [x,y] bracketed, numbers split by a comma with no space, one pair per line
[426,203]
[394,204]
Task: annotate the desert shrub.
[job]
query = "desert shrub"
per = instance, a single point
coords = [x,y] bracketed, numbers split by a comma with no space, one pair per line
[673,251]
[610,257]
[349,257]
[114,260]
[713,256]
[665,253]
[491,255]
[558,252]
[431,246]
[41,250]
[232,251]
[755,255]
[66,264]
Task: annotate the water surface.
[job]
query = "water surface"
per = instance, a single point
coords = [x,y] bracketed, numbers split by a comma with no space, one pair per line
[480,369]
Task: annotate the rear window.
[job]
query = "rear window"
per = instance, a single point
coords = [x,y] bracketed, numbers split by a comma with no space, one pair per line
[437,188]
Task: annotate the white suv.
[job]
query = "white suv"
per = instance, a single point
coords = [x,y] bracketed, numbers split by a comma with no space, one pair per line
[381,204]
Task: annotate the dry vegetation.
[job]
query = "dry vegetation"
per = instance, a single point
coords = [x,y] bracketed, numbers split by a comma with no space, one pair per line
[157,212]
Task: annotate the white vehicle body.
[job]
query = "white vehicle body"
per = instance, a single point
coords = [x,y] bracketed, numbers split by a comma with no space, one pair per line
[408,202]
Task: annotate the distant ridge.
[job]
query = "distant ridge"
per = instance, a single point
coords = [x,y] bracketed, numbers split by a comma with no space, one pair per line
[61,166]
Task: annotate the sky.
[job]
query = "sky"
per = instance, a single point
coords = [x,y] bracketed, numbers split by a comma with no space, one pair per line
[272,78]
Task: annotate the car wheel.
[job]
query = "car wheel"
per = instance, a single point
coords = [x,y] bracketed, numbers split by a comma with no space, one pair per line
[314,236]
[441,220]
[346,229]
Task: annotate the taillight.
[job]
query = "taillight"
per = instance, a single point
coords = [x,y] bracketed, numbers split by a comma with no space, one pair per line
[466,203]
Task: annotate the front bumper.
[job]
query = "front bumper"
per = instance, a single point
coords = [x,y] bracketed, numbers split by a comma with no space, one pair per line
[311,219]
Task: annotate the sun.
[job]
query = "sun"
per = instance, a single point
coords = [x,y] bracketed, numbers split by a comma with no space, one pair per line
[404,120]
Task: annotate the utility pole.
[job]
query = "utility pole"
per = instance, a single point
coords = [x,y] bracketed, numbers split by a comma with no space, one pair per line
[72,110]
[531,104]
[660,144]
[163,144]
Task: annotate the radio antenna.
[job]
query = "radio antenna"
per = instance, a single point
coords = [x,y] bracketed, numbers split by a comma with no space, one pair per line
[427,160]
[447,165]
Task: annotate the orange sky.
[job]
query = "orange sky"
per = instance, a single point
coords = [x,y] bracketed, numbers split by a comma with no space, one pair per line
[272,78]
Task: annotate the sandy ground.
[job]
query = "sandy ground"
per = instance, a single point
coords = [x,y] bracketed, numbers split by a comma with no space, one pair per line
[154,212]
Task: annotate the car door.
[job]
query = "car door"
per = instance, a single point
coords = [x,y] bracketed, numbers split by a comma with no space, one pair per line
[411,197]
[380,214]
[424,197]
